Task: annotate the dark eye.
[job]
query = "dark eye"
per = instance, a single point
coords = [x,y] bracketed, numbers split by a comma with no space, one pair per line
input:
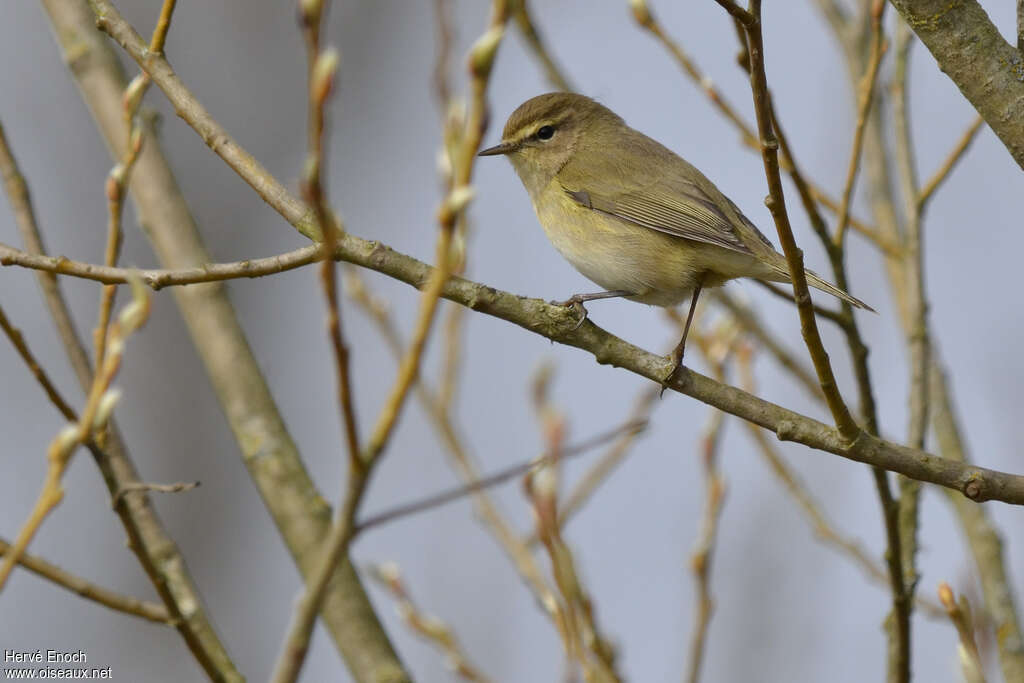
[545,132]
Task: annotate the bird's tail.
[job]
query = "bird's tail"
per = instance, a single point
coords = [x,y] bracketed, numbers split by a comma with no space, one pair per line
[815,280]
[780,273]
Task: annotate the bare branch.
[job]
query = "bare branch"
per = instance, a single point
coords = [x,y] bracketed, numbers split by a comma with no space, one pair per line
[138,486]
[970,50]
[429,627]
[777,206]
[524,20]
[946,167]
[631,428]
[149,611]
[960,614]
[157,278]
[866,96]
[98,408]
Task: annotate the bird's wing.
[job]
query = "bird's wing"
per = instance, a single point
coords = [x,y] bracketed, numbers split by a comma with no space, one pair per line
[681,202]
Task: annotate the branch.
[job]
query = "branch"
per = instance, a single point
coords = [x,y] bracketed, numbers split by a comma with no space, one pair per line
[744,17]
[960,614]
[971,51]
[946,167]
[149,611]
[776,202]
[524,20]
[867,94]
[487,509]
[629,429]
[92,422]
[917,338]
[157,278]
[557,324]
[438,633]
[646,19]
[811,508]
[18,340]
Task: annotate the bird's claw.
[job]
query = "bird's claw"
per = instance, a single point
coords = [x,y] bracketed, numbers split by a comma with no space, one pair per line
[677,362]
[577,305]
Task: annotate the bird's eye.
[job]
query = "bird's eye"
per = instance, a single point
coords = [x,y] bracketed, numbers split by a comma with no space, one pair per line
[545,132]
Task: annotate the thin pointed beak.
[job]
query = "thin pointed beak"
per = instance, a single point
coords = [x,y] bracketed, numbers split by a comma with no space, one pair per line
[503,148]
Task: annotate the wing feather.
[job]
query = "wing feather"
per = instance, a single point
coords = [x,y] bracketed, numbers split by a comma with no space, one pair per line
[671,197]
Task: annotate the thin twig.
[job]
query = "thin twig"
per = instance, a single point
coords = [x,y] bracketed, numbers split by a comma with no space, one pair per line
[603,466]
[158,278]
[481,60]
[453,126]
[960,614]
[322,69]
[748,18]
[631,428]
[900,641]
[137,486]
[918,341]
[118,178]
[946,167]
[866,97]
[98,409]
[117,181]
[438,633]
[646,19]
[811,508]
[581,636]
[746,318]
[777,206]
[524,20]
[820,311]
[487,509]
[18,340]
[149,611]
[362,462]
[717,348]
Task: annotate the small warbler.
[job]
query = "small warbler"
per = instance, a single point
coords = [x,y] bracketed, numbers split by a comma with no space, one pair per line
[630,214]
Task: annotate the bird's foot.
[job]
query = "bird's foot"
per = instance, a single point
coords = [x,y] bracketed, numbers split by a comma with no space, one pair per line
[575,302]
[677,362]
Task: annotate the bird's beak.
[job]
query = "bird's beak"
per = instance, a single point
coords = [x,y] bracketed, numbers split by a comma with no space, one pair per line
[503,148]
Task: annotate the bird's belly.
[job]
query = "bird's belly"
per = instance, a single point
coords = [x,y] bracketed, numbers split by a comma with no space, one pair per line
[657,268]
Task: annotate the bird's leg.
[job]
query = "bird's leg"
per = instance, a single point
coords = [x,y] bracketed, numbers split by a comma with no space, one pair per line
[576,302]
[677,353]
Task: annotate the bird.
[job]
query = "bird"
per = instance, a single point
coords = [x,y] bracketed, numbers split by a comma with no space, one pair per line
[630,214]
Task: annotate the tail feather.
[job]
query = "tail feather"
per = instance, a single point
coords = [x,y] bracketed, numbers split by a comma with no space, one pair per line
[815,280]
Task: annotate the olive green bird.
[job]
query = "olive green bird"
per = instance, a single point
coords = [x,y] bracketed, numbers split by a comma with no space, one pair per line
[630,214]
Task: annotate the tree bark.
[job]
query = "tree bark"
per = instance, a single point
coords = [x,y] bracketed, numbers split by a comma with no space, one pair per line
[970,50]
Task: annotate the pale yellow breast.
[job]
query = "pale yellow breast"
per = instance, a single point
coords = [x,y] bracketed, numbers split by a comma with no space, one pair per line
[615,254]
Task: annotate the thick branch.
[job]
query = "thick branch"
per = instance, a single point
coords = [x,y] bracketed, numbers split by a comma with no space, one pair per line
[970,50]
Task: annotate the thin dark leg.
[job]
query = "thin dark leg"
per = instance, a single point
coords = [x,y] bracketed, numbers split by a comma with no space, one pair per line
[677,353]
[576,301]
